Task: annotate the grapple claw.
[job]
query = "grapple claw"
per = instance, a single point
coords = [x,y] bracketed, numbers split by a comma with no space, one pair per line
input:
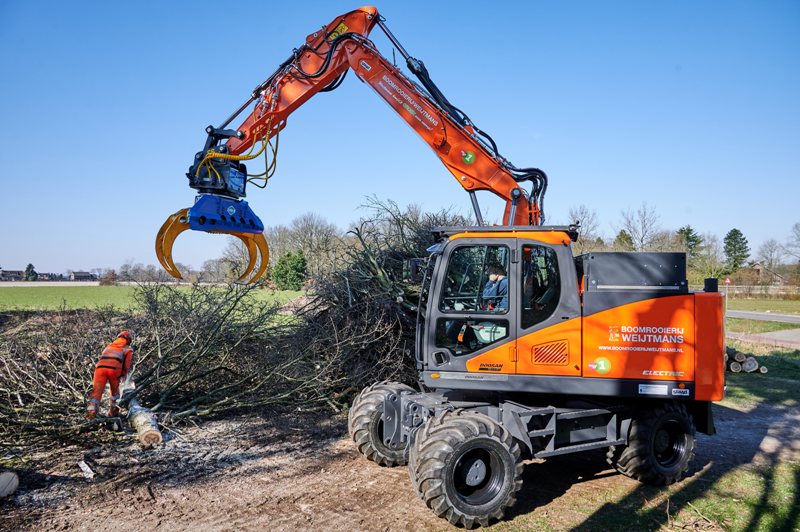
[165,239]
[216,214]
[252,255]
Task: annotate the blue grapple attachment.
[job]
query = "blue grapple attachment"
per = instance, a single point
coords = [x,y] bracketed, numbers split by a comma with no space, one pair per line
[218,208]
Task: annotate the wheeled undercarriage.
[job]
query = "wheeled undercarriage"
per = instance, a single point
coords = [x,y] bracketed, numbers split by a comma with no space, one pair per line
[465,456]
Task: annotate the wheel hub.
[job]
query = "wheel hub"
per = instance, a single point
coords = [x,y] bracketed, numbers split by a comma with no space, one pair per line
[475,472]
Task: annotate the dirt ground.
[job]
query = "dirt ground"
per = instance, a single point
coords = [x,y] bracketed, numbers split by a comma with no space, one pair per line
[299,471]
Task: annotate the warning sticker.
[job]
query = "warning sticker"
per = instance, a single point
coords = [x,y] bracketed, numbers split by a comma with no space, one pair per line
[340,29]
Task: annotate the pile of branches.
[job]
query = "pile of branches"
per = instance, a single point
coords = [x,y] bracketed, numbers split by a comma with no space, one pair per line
[198,351]
[362,318]
[207,350]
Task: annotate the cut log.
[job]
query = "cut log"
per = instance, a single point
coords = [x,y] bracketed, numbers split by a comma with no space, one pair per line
[750,365]
[734,366]
[146,424]
[739,357]
[762,369]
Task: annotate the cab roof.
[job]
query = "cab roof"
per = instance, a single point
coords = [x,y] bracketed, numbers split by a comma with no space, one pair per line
[571,231]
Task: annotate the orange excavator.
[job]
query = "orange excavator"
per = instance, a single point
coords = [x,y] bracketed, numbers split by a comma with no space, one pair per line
[523,350]
[219,173]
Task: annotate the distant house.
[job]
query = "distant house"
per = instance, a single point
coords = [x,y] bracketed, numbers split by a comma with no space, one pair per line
[766,276]
[47,277]
[12,275]
[82,276]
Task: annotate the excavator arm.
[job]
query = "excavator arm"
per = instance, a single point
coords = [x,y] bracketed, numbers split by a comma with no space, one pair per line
[220,175]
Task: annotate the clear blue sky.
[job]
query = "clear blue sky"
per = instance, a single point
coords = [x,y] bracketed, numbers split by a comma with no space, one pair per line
[691,106]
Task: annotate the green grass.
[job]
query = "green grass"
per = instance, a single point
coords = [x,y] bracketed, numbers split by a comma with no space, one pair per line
[69,297]
[76,297]
[778,387]
[780,306]
[756,326]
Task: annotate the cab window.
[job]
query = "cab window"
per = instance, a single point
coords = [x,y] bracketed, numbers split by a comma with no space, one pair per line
[541,286]
[476,280]
[465,336]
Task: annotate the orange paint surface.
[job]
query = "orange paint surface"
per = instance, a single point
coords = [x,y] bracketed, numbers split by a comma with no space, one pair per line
[709,353]
[548,237]
[554,337]
[500,359]
[646,340]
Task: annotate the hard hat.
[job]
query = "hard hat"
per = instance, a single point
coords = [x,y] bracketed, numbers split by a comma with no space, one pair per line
[126,335]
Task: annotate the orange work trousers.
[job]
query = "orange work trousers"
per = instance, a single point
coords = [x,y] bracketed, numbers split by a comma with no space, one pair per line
[101,377]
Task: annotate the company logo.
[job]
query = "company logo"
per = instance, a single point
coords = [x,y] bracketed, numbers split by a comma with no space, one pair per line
[680,391]
[490,367]
[660,373]
[409,109]
[365,65]
[231,210]
[600,365]
[646,335]
[468,157]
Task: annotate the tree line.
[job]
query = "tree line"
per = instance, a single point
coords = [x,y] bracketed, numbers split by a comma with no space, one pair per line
[707,255]
[310,246]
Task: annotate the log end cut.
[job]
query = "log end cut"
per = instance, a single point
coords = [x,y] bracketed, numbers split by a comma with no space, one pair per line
[146,425]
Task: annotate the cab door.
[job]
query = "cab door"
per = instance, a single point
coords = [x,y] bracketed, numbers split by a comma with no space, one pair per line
[472,325]
[549,317]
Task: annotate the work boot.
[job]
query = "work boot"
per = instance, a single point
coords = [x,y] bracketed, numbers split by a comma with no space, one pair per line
[113,412]
[91,409]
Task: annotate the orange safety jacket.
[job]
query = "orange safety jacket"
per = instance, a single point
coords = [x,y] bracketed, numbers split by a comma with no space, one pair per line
[117,356]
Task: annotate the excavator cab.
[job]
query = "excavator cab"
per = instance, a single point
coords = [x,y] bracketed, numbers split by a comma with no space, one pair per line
[468,326]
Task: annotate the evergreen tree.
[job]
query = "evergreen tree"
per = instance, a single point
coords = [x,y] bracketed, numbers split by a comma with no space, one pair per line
[623,241]
[736,250]
[30,273]
[691,241]
[290,271]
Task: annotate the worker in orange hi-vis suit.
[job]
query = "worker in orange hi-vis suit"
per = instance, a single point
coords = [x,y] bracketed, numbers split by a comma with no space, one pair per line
[112,367]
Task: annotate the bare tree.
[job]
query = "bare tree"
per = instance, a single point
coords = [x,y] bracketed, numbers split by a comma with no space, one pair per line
[588,237]
[792,246]
[709,260]
[770,254]
[643,228]
[280,242]
[317,238]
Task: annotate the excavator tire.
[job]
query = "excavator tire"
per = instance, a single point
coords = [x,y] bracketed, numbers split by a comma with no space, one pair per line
[660,446]
[466,467]
[365,424]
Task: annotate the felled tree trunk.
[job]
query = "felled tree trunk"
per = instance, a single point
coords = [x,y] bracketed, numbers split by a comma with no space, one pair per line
[145,422]
[140,418]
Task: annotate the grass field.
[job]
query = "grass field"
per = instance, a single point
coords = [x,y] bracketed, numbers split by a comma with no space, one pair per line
[781,306]
[74,297]
[740,325]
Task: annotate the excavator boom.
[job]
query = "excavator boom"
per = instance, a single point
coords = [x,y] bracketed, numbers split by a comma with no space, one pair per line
[220,175]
